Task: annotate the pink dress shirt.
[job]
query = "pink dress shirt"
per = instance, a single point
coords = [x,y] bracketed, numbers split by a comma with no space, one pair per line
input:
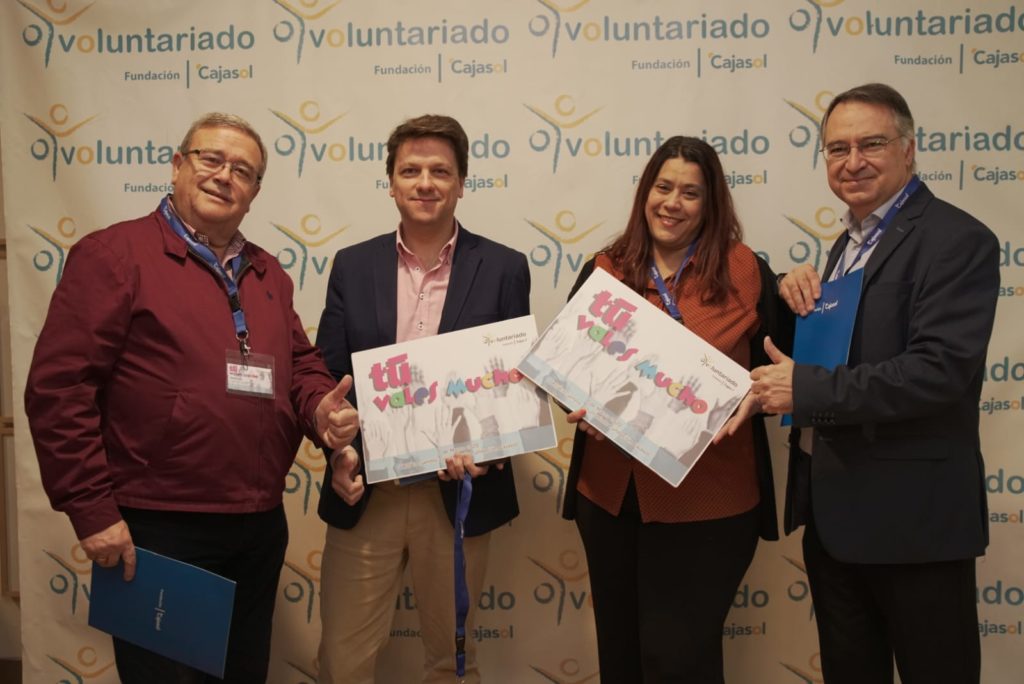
[421,291]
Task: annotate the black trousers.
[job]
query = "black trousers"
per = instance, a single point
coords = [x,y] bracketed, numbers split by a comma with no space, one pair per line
[662,591]
[248,548]
[923,614]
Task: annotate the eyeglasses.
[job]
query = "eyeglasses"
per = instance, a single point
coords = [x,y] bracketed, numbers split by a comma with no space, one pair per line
[211,162]
[868,147]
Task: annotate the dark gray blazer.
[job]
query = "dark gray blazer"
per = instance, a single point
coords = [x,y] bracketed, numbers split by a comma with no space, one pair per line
[489,283]
[896,473]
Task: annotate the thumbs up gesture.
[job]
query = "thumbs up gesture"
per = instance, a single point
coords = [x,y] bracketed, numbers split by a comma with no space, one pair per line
[345,478]
[336,419]
[773,385]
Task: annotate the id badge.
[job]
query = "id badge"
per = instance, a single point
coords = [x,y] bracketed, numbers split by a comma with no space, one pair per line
[252,376]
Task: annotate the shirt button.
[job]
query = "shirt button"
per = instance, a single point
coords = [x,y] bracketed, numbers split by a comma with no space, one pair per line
[419,326]
[422,296]
[417,269]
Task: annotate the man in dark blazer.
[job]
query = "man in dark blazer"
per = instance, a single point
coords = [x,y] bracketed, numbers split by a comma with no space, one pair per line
[891,483]
[431,276]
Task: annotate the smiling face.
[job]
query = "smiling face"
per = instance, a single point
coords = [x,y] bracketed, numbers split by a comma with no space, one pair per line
[214,203]
[426,184]
[865,183]
[675,207]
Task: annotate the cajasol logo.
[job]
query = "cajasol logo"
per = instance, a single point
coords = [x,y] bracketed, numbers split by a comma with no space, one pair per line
[56,241]
[306,241]
[732,62]
[561,235]
[816,235]
[53,29]
[60,147]
[1006,517]
[807,134]
[994,174]
[988,628]
[996,58]
[994,405]
[825,21]
[310,25]
[561,22]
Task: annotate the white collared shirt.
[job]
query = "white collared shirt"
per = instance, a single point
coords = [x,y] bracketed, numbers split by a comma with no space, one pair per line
[860,231]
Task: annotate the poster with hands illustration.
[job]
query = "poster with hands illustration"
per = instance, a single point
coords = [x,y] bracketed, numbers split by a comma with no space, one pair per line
[425,400]
[656,389]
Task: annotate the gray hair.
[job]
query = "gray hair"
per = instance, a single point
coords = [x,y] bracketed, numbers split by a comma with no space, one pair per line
[222,120]
[884,96]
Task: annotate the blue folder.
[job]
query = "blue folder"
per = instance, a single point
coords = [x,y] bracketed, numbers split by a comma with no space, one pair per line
[170,607]
[822,337]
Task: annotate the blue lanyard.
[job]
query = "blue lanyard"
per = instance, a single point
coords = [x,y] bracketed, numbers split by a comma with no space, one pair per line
[876,234]
[666,297]
[463,497]
[207,255]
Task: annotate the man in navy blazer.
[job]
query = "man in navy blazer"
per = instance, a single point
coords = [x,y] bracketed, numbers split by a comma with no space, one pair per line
[431,276]
[890,484]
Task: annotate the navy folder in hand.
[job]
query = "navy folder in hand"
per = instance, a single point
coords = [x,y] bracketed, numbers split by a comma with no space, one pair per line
[170,607]
[822,337]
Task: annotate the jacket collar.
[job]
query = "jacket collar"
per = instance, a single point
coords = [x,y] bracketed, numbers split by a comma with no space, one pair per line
[902,225]
[176,247]
[465,264]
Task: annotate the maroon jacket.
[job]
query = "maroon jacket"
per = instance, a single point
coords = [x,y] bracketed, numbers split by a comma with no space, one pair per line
[126,396]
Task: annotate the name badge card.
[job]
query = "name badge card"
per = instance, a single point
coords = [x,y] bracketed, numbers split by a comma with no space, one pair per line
[252,375]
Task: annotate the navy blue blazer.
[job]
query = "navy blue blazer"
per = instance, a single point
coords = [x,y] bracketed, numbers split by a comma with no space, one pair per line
[896,473]
[489,283]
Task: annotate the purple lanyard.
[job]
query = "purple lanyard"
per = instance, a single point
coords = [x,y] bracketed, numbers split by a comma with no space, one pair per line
[463,497]
[210,259]
[666,297]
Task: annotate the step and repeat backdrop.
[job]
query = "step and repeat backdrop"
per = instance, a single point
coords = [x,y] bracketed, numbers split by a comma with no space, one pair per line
[563,101]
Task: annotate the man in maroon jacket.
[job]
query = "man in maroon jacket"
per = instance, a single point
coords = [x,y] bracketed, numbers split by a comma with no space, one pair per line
[171,386]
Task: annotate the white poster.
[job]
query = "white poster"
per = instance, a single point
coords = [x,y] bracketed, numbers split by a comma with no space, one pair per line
[423,401]
[650,385]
